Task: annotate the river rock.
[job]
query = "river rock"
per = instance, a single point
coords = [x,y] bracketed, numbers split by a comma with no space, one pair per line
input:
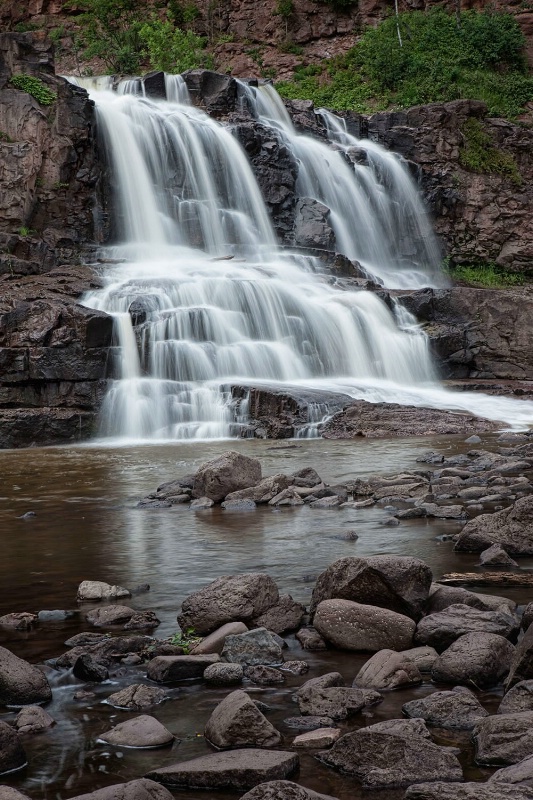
[107,650]
[91,591]
[285,616]
[325,681]
[12,755]
[18,621]
[521,773]
[33,719]
[495,556]
[442,629]
[479,659]
[231,598]
[284,790]
[456,710]
[21,684]
[251,648]
[264,676]
[353,626]
[214,643]
[441,597]
[388,670]
[143,731]
[224,474]
[321,737]
[137,696]
[383,760]
[237,722]
[222,674]
[142,789]
[237,770]
[264,491]
[397,583]
[510,528]
[504,738]
[308,723]
[295,667]
[337,702]
[87,668]
[310,639]
[467,791]
[401,727]
[521,668]
[423,657]
[167,669]
[9,793]
[519,698]
[142,620]
[109,615]
[527,616]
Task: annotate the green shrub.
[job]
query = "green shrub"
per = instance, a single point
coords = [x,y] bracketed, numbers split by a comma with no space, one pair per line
[110,31]
[487,276]
[479,154]
[35,87]
[172,49]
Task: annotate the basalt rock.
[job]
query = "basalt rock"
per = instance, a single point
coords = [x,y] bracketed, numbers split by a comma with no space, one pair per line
[237,722]
[21,684]
[510,528]
[141,789]
[12,755]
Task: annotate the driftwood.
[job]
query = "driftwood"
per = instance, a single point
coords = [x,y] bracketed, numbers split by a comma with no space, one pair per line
[488,579]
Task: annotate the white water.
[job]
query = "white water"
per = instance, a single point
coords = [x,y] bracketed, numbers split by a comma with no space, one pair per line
[224,305]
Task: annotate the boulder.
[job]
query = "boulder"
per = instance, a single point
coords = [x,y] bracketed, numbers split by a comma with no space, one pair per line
[237,722]
[388,670]
[521,773]
[397,583]
[519,698]
[442,629]
[283,790]
[308,723]
[86,668]
[401,727]
[467,791]
[167,669]
[321,737]
[353,626]
[12,755]
[143,731]
[285,616]
[254,647]
[264,491]
[383,760]
[456,710]
[222,674]
[18,621]
[510,528]
[527,616]
[337,702]
[310,639]
[521,668]
[33,719]
[214,643]
[504,738]
[265,676]
[237,770]
[105,650]
[495,556]
[441,597]
[142,789]
[21,684]
[311,225]
[9,793]
[230,598]
[225,474]
[478,659]
[109,615]
[91,591]
[137,696]
[422,657]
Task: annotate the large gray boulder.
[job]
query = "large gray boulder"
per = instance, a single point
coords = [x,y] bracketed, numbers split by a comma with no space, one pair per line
[33,719]
[225,474]
[383,760]
[12,755]
[136,696]
[283,790]
[142,731]
[479,659]
[167,669]
[21,684]
[142,789]
[456,710]
[510,528]
[254,647]
[521,668]
[388,670]
[94,591]
[237,770]
[423,657]
[504,738]
[230,598]
[519,698]
[442,629]
[521,773]
[353,626]
[237,722]
[440,597]
[337,702]
[397,583]
[285,616]
[214,643]
[468,791]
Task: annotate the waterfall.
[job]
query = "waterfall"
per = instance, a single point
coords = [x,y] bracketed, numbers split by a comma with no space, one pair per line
[204,298]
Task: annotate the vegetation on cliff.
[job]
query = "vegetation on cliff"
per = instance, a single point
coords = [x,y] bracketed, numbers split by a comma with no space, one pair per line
[438,59]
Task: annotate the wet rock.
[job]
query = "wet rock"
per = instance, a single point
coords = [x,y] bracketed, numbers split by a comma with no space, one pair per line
[224,474]
[21,684]
[423,657]
[142,789]
[456,710]
[19,621]
[467,791]
[441,597]
[12,755]
[264,676]
[264,491]
[295,667]
[495,556]
[325,681]
[212,91]
[285,616]
[478,659]
[167,669]
[510,528]
[519,698]
[401,727]
[222,674]
[230,598]
[57,615]
[236,770]
[105,649]
[444,512]
[521,668]
[239,505]
[142,731]
[321,737]
[252,648]
[311,225]
[237,722]
[109,616]
[353,626]
[87,668]
[9,793]
[388,670]
[283,790]
[382,760]
[136,696]
[442,629]
[214,643]
[521,773]
[337,702]
[287,497]
[308,723]
[33,719]
[397,583]
[142,620]
[310,639]
[504,738]
[91,591]
[201,504]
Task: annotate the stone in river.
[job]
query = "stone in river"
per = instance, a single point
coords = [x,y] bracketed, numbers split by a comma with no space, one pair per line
[353,626]
[479,659]
[214,643]
[455,710]
[33,719]
[222,674]
[388,670]
[440,630]
[137,696]
[237,722]
[504,738]
[226,473]
[12,755]
[99,590]
[468,791]
[142,789]
[283,790]
[167,669]
[142,731]
[510,528]
[21,684]
[252,648]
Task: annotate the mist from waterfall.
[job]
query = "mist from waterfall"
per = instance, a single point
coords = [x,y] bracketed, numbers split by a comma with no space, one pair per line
[217,303]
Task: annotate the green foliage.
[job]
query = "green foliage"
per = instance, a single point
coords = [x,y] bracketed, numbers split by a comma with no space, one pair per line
[186,640]
[171,49]
[181,13]
[479,154]
[487,276]
[24,27]
[439,61]
[5,137]
[284,8]
[25,231]
[110,31]
[290,47]
[35,87]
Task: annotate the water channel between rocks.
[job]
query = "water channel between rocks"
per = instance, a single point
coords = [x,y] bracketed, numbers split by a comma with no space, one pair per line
[87,526]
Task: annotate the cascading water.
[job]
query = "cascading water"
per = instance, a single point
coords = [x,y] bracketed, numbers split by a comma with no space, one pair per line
[217,303]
